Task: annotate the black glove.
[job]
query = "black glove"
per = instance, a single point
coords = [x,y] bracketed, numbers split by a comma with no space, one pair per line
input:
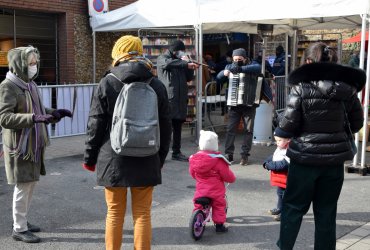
[235,69]
[264,165]
[61,113]
[42,118]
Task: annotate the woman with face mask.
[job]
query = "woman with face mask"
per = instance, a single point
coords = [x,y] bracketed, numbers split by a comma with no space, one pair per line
[23,119]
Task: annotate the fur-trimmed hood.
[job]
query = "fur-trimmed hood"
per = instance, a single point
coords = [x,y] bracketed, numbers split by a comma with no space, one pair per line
[328,71]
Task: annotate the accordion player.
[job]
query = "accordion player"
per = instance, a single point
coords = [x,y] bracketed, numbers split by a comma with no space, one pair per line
[244,89]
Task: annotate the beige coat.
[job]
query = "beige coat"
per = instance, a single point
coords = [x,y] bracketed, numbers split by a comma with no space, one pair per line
[13,118]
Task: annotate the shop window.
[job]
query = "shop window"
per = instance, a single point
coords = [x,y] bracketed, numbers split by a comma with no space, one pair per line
[23,28]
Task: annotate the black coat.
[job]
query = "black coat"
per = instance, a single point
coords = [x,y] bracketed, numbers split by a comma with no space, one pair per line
[174,73]
[315,113]
[122,171]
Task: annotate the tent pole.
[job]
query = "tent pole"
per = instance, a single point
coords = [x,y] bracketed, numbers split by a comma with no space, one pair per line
[294,50]
[94,58]
[199,38]
[366,101]
[362,169]
[286,56]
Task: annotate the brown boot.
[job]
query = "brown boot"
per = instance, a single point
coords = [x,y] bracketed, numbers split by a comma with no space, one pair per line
[244,161]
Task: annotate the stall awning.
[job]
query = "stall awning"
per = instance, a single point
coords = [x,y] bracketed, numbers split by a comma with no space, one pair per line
[356,38]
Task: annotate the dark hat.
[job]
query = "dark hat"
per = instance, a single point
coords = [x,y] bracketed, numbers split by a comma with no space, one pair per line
[177,45]
[281,133]
[280,49]
[240,52]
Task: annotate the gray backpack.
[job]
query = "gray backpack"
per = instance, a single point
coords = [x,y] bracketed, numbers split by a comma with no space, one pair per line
[135,123]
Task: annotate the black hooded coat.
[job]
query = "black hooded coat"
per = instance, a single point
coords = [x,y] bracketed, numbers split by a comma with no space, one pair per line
[315,112]
[114,170]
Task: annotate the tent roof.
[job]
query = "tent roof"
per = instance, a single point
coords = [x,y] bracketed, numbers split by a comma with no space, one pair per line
[242,16]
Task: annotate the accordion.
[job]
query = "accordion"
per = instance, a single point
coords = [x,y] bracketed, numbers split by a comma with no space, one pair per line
[244,89]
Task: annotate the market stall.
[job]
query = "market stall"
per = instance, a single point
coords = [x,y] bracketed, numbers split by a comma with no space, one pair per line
[215,16]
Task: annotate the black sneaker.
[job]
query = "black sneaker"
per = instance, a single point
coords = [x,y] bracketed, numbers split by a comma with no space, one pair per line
[33,228]
[230,158]
[274,211]
[179,157]
[220,228]
[25,236]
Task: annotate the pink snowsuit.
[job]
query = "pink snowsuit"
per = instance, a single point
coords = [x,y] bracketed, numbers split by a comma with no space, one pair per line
[210,174]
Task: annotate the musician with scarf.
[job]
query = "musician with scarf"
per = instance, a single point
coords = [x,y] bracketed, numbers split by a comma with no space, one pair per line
[23,119]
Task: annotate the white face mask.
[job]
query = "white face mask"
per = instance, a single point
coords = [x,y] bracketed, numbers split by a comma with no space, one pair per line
[32,70]
[180,54]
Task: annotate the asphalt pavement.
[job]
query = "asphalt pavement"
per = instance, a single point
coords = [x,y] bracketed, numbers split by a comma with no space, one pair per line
[70,208]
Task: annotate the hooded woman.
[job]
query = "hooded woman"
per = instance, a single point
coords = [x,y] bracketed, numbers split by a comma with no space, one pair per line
[23,119]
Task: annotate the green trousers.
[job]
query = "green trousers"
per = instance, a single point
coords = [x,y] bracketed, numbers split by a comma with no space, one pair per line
[320,185]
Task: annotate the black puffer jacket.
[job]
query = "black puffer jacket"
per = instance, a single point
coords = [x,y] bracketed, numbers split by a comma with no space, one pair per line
[121,171]
[315,113]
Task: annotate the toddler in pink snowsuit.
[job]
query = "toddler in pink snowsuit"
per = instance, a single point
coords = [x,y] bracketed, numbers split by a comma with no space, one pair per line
[210,169]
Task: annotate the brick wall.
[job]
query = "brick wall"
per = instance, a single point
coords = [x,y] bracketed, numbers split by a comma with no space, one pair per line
[74,36]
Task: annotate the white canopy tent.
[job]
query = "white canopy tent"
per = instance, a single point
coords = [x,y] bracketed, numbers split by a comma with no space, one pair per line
[234,15]
[218,16]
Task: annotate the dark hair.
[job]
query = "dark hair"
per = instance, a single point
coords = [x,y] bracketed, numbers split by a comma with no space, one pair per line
[321,52]
[177,45]
[280,49]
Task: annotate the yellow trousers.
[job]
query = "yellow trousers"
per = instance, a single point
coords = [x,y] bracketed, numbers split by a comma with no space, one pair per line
[141,202]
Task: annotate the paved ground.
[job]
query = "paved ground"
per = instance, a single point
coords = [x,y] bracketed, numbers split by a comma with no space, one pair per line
[70,208]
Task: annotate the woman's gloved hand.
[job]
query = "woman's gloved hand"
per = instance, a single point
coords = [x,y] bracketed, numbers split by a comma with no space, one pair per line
[61,113]
[42,118]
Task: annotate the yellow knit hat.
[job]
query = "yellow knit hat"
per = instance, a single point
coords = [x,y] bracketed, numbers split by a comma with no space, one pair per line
[123,46]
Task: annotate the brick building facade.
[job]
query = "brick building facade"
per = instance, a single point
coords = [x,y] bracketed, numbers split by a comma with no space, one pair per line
[73,36]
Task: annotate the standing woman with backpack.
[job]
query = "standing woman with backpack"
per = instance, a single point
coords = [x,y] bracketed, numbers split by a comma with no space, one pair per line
[115,172]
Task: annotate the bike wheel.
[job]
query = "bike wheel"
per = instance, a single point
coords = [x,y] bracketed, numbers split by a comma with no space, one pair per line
[196,224]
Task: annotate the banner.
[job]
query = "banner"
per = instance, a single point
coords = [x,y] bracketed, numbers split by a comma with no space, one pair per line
[98,7]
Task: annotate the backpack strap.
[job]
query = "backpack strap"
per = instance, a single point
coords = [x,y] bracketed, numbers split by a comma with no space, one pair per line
[149,80]
[114,76]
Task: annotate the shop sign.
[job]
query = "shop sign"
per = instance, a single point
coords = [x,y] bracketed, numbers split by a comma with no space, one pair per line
[237,37]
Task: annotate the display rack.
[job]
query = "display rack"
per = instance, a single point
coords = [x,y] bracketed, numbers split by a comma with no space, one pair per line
[191,113]
[304,41]
[154,45]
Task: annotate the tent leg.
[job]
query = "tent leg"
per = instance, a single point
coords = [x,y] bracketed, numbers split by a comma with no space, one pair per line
[94,57]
